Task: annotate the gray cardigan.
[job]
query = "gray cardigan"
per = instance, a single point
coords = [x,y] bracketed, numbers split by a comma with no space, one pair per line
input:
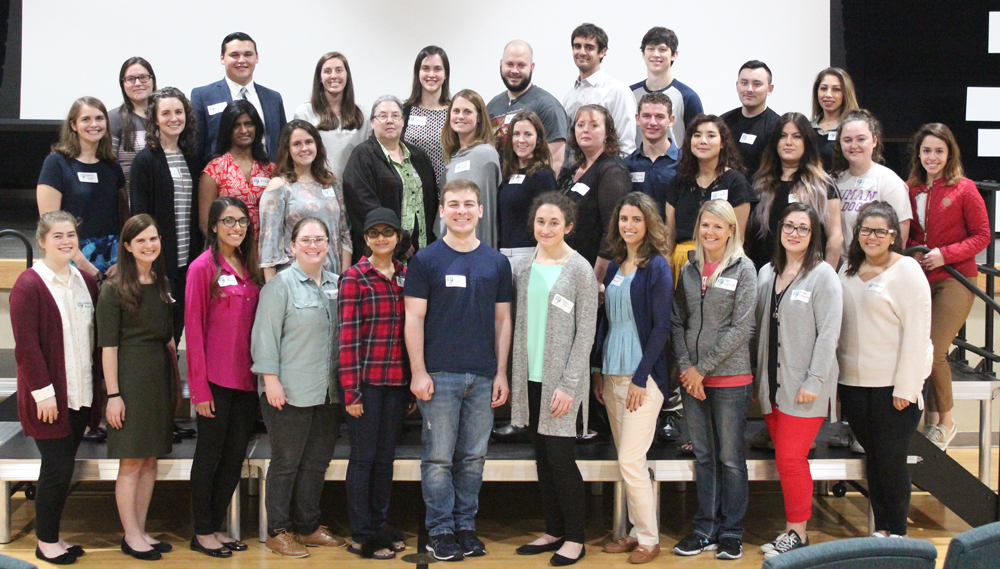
[568,340]
[809,318]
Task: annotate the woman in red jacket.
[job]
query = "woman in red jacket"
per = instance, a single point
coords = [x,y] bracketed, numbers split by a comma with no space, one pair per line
[58,375]
[949,218]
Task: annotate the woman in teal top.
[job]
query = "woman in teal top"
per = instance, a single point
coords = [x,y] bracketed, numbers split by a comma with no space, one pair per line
[553,336]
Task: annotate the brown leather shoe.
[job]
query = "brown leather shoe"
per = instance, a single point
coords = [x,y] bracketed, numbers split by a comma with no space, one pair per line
[644,554]
[623,545]
[285,544]
[321,538]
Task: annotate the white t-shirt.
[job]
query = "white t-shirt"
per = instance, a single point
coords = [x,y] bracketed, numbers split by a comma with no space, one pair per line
[877,184]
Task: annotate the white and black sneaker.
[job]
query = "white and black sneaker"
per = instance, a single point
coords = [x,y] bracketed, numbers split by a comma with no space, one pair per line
[791,541]
[445,547]
[729,548]
[694,544]
[770,545]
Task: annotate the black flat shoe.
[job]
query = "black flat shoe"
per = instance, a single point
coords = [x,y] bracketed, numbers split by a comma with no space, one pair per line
[184,432]
[529,549]
[99,435]
[561,561]
[235,545]
[162,547]
[64,559]
[222,552]
[151,555]
[76,550]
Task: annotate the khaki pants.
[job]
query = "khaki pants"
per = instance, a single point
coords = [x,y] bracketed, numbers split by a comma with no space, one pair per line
[633,433]
[951,303]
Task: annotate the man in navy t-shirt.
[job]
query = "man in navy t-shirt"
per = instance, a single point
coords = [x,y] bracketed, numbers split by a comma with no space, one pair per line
[458,294]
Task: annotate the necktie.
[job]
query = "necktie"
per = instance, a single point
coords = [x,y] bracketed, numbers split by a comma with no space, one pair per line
[243,93]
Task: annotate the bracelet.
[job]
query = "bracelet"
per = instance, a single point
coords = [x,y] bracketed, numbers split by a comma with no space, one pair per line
[113,395]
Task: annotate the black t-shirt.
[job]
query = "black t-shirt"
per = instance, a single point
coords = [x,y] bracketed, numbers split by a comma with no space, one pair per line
[514,202]
[596,193]
[89,192]
[686,199]
[751,135]
[760,249]
[825,142]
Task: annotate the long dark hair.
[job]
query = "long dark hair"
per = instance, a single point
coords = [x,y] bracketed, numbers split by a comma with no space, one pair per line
[227,124]
[611,145]
[127,109]
[126,277]
[69,140]
[880,209]
[417,89]
[247,251]
[540,157]
[729,155]
[186,140]
[814,252]
[952,172]
[286,166]
[655,241]
[351,117]
[840,163]
[848,103]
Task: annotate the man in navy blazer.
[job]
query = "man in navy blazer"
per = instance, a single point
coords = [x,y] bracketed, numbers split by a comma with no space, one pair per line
[239,56]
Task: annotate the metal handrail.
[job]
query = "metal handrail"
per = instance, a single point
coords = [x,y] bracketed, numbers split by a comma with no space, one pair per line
[30,253]
[958,277]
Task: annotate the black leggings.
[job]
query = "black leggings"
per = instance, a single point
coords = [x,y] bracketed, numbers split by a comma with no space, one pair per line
[56,474]
[885,433]
[559,479]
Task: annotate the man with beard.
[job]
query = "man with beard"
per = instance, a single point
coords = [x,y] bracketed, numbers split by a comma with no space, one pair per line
[516,68]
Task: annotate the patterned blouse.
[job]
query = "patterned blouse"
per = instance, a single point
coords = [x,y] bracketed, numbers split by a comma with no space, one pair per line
[281,207]
[229,178]
[425,133]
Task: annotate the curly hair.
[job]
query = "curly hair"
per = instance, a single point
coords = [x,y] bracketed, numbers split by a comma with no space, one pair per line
[840,163]
[655,241]
[186,140]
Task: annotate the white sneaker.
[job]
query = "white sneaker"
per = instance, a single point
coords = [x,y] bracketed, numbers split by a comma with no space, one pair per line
[771,545]
[941,435]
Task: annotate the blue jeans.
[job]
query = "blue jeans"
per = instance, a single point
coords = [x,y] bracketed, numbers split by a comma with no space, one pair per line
[457,424]
[716,427]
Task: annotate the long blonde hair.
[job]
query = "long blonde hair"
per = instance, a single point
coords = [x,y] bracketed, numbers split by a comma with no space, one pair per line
[734,246]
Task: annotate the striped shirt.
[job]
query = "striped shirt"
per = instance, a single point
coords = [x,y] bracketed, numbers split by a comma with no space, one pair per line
[183,188]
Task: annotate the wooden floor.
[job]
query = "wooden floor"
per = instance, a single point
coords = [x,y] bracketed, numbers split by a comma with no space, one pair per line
[509,516]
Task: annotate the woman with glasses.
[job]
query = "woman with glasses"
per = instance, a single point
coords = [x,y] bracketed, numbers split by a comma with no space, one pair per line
[799,306]
[302,187]
[885,354]
[222,289]
[949,218]
[128,122]
[294,346]
[425,111]
[386,172]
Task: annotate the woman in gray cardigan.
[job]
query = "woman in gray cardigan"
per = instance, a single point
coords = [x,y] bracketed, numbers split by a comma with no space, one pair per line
[553,334]
[799,308]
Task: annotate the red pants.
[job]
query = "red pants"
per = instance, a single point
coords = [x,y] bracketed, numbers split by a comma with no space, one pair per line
[792,438]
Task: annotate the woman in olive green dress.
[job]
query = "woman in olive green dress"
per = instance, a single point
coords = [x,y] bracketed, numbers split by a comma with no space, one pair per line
[134,323]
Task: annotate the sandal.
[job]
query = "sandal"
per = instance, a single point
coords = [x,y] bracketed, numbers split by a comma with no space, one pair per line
[368,551]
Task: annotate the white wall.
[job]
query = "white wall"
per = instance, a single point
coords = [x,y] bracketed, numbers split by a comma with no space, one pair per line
[72,48]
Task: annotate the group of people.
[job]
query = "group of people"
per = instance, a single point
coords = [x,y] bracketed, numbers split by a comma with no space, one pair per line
[355,264]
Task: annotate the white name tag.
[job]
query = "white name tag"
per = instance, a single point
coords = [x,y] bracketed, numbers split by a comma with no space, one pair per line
[517,179]
[330,294]
[720,195]
[418,121]
[454,280]
[463,166]
[618,280]
[84,305]
[562,303]
[831,135]
[260,181]
[725,284]
[175,172]
[877,287]
[581,189]
[216,108]
[801,295]
[748,138]
[863,182]
[400,279]
[508,118]
[329,193]
[792,198]
[638,177]
[87,177]
[227,280]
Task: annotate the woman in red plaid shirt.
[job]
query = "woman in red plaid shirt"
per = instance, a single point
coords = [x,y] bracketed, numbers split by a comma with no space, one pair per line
[375,376]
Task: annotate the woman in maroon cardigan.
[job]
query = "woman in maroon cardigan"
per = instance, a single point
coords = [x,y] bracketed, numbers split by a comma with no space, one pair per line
[58,371]
[949,218]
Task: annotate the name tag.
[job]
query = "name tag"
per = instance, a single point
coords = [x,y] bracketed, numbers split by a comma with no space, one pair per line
[454,281]
[877,287]
[725,284]
[227,280]
[638,177]
[720,195]
[792,198]
[418,121]
[463,166]
[618,280]
[863,182]
[260,181]
[748,138]
[329,193]
[87,177]
[400,279]
[330,294]
[507,119]
[216,108]
[801,295]
[831,135]
[84,305]
[175,172]
[581,189]
[517,179]
[562,303]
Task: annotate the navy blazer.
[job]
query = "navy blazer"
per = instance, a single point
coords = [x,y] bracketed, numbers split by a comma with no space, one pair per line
[208,125]
[652,294]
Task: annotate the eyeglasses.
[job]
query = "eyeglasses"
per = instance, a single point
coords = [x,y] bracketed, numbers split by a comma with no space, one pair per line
[374,233]
[801,230]
[232,221]
[386,117]
[307,241]
[880,233]
[131,79]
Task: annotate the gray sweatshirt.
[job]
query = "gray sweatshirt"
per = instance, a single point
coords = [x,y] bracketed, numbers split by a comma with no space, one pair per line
[480,164]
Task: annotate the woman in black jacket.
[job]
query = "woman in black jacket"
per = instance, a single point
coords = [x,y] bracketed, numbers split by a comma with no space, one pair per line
[383,171]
